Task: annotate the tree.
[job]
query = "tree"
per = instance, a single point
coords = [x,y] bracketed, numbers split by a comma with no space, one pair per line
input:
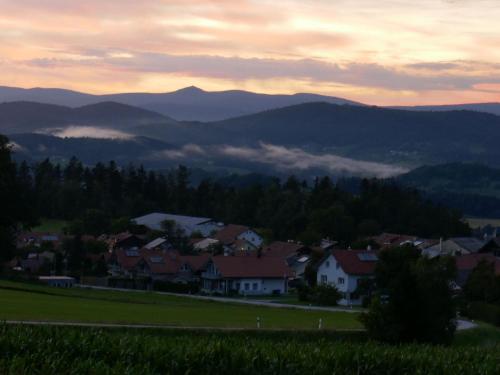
[414,298]
[14,210]
[482,284]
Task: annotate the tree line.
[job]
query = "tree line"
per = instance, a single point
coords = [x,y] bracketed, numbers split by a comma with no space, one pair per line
[289,209]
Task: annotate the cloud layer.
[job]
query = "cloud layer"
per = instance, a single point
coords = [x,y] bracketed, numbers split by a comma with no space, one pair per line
[384,52]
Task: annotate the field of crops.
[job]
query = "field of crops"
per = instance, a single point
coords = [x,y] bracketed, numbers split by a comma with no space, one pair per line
[22,301]
[57,350]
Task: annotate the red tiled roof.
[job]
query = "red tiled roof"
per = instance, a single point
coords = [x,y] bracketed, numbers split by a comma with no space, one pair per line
[160,262]
[260,267]
[125,261]
[228,234]
[282,249]
[470,261]
[196,262]
[351,263]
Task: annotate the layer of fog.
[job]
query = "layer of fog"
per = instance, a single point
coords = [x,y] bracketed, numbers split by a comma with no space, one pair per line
[285,159]
[75,131]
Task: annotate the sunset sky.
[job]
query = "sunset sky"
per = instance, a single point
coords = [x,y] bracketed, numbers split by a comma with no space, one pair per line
[378,52]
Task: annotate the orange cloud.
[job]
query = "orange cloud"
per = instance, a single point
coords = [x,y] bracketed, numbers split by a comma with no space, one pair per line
[389,51]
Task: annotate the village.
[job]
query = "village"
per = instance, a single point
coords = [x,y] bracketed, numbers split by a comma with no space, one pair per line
[185,254]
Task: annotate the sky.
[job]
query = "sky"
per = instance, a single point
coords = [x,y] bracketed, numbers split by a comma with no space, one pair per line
[385,52]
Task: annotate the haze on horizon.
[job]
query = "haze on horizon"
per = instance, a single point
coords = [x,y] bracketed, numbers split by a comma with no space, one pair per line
[389,52]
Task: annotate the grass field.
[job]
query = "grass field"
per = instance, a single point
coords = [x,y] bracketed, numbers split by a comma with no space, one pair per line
[52,226]
[19,301]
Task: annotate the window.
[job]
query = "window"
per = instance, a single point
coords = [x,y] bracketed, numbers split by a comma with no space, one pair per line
[327,264]
[237,286]
[255,286]
[340,281]
[324,279]
[247,286]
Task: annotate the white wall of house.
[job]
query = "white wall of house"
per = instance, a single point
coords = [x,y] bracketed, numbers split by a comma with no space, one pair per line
[330,272]
[260,286]
[251,237]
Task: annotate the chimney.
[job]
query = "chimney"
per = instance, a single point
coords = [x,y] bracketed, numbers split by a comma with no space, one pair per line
[440,245]
[369,247]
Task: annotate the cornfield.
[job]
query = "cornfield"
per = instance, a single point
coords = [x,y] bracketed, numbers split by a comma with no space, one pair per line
[65,350]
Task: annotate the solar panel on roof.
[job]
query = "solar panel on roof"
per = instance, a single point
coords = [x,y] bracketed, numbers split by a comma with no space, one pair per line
[132,253]
[156,259]
[367,257]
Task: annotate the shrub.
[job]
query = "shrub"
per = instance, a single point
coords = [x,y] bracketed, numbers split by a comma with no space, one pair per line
[485,312]
[324,295]
[167,286]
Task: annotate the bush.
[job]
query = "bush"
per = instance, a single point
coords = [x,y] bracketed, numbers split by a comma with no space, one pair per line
[324,295]
[167,286]
[485,312]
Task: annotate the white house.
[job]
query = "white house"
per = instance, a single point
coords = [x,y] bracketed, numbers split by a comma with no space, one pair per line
[246,275]
[344,269]
[189,224]
[238,236]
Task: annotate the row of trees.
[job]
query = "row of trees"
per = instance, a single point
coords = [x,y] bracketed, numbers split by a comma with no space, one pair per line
[290,209]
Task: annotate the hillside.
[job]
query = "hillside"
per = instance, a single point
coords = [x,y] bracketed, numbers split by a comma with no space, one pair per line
[472,188]
[23,117]
[374,133]
[493,108]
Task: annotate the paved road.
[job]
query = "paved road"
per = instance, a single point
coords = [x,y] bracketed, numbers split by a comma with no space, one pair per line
[232,300]
[461,326]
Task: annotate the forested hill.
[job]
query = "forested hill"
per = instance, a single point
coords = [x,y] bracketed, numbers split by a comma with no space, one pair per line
[376,133]
[472,188]
[23,117]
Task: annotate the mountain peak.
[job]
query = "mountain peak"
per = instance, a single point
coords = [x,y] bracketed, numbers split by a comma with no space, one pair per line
[190,90]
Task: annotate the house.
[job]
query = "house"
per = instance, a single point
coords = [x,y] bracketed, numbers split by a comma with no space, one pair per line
[388,240]
[125,241]
[122,262]
[58,281]
[188,224]
[239,237]
[203,244]
[37,239]
[284,249]
[344,269]
[158,243]
[456,246]
[158,265]
[192,267]
[466,263]
[246,275]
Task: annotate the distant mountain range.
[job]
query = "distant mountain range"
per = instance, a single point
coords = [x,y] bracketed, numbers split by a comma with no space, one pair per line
[310,138]
[195,104]
[319,135]
[189,104]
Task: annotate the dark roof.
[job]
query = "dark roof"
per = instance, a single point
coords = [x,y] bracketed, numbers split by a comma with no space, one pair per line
[470,244]
[260,267]
[282,249]
[196,262]
[356,262]
[469,261]
[161,262]
[229,234]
